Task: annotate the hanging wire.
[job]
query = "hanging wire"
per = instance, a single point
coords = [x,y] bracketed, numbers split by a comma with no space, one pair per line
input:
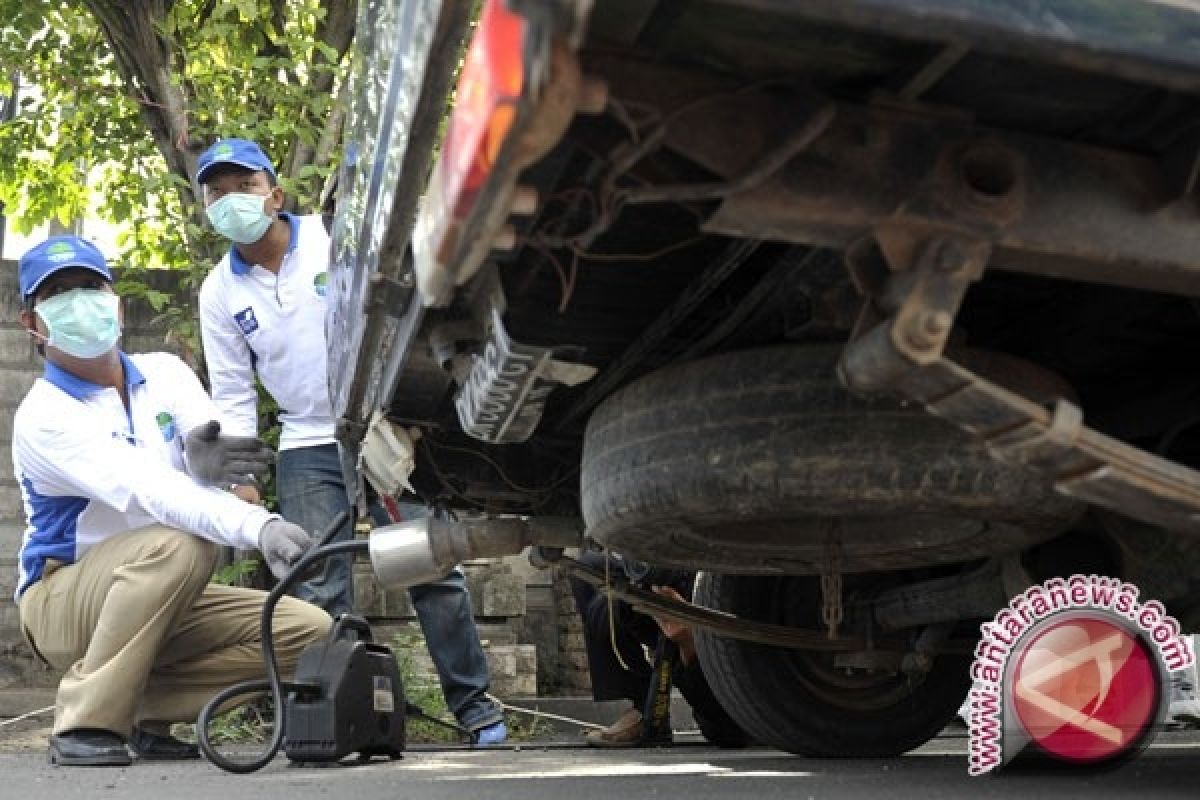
[612,616]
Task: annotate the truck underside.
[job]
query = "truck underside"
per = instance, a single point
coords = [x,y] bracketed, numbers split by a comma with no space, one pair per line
[821,294]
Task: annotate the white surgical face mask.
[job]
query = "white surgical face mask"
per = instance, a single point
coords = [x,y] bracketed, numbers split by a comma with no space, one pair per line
[240,217]
[84,323]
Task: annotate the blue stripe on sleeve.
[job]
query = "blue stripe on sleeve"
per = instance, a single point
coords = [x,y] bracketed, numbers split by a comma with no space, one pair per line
[54,522]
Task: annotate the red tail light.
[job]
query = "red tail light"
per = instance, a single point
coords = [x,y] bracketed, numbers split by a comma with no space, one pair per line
[489,87]
[485,110]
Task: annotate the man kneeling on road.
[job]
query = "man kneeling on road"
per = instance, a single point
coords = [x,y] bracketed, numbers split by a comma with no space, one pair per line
[617,637]
[122,536]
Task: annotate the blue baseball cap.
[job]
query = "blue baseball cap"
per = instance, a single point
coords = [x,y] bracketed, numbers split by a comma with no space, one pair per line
[242,152]
[55,254]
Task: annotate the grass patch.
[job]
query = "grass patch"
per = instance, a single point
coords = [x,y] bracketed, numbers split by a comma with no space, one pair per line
[422,689]
[524,727]
[248,724]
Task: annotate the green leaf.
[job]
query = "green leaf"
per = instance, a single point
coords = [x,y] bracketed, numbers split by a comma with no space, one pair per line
[237,573]
[157,300]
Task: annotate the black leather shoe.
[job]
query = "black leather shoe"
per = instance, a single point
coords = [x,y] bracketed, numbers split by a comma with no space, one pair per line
[88,747]
[154,747]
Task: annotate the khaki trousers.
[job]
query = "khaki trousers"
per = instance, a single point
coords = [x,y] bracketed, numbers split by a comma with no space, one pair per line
[145,639]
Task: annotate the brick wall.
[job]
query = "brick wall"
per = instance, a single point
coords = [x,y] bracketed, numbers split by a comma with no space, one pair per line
[498,603]
[18,365]
[573,674]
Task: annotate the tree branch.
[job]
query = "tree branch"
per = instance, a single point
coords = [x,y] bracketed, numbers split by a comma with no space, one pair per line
[336,29]
[205,12]
[331,134]
[143,60]
[272,48]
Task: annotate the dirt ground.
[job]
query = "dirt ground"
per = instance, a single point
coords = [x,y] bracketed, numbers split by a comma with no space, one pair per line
[25,736]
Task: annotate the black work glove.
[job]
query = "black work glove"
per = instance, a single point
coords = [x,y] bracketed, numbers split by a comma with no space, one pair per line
[282,543]
[215,459]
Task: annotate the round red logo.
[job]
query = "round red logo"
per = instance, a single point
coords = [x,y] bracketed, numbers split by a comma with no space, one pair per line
[1086,689]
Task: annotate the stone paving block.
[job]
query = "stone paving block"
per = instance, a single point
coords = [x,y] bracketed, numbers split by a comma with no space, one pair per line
[8,565]
[16,348]
[475,578]
[575,661]
[573,641]
[566,605]
[526,659]
[15,385]
[373,601]
[503,596]
[577,679]
[496,633]
[513,670]
[502,661]
[523,685]
[10,545]
[541,599]
[11,504]
[539,628]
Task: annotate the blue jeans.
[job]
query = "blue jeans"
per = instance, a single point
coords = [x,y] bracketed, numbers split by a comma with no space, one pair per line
[312,492]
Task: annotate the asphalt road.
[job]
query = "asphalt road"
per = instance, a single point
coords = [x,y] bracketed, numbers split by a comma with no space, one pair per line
[1171,768]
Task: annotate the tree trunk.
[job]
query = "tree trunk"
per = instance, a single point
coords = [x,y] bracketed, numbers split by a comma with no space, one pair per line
[143,60]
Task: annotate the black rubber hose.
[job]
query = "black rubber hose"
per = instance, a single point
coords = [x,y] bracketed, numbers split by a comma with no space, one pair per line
[273,682]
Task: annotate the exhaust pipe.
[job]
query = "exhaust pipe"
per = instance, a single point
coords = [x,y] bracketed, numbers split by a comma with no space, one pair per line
[424,550]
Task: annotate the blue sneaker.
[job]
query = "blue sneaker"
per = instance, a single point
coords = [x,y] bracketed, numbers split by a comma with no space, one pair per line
[496,733]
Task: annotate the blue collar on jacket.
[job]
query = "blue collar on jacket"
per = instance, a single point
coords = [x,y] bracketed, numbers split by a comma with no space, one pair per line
[79,388]
[240,266]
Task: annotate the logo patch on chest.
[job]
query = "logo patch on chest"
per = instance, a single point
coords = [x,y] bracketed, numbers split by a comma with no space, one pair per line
[321,284]
[246,321]
[166,424]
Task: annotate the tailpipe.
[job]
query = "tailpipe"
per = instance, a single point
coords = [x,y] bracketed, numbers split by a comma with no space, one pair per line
[424,550]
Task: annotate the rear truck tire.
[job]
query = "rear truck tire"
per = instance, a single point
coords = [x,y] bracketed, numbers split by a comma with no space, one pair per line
[756,462]
[799,701]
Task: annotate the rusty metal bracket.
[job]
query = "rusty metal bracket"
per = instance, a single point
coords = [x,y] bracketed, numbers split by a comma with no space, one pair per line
[910,309]
[898,347]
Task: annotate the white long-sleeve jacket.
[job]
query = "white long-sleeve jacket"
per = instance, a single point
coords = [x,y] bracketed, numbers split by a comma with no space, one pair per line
[89,469]
[254,321]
